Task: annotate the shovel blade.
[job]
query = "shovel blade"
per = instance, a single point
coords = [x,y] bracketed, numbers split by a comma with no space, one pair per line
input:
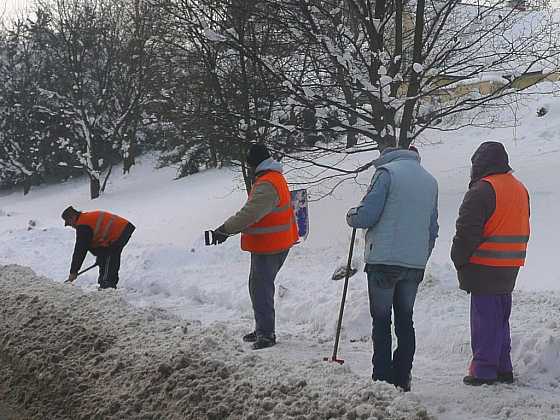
[340,273]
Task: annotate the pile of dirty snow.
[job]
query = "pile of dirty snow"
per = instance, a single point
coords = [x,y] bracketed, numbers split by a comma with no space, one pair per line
[69,354]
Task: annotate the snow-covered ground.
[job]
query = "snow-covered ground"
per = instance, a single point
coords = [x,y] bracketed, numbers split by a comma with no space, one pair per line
[80,356]
[167,266]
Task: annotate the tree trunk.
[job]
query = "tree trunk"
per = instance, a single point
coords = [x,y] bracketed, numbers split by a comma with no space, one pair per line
[107,178]
[94,187]
[26,185]
[247,177]
[130,158]
[398,51]
[129,161]
[351,136]
[351,139]
[414,87]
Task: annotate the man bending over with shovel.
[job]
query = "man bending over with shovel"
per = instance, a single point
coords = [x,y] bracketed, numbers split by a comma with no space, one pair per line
[104,235]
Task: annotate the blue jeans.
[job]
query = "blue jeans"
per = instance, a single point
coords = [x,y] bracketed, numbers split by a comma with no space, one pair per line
[392,288]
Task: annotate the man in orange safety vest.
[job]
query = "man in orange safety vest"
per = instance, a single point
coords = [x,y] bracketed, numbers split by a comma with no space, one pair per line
[104,235]
[268,231]
[488,249]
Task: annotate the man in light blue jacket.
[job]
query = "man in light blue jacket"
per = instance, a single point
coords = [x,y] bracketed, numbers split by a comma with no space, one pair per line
[400,214]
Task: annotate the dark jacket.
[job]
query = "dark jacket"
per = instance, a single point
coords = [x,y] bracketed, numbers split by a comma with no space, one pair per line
[477,207]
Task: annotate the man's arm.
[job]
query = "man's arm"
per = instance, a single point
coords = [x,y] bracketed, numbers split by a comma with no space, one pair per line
[369,211]
[477,207]
[84,236]
[261,202]
[434,227]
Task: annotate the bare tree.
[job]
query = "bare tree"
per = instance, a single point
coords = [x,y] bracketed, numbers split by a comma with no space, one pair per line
[216,44]
[387,70]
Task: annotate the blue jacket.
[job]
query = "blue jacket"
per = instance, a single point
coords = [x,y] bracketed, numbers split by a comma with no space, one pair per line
[399,211]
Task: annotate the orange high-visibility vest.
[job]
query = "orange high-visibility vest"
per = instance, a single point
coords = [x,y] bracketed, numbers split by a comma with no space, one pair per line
[507,231]
[277,231]
[107,227]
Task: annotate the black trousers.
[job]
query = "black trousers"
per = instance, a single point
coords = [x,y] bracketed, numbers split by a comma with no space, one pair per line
[109,259]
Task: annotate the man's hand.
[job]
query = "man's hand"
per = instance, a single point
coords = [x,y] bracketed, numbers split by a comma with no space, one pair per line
[219,235]
[350,216]
[71,277]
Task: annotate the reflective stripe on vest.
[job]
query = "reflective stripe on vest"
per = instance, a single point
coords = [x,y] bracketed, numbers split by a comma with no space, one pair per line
[501,255]
[277,231]
[105,234]
[106,227]
[100,218]
[507,239]
[270,229]
[281,209]
[506,232]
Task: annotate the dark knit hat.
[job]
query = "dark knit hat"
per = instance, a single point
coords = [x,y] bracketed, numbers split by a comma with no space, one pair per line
[257,154]
[490,158]
[68,213]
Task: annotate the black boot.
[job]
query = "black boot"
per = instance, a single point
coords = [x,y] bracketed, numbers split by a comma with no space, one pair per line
[404,385]
[264,341]
[474,381]
[251,337]
[505,377]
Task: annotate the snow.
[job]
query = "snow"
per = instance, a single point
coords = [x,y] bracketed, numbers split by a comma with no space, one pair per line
[482,77]
[417,67]
[78,355]
[530,33]
[167,272]
[213,36]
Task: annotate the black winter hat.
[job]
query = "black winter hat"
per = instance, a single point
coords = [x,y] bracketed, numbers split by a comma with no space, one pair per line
[67,213]
[257,154]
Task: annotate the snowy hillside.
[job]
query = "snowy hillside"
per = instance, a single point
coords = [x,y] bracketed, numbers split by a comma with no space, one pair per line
[167,266]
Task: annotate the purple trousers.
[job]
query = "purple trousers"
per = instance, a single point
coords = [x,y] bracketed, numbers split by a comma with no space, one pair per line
[490,336]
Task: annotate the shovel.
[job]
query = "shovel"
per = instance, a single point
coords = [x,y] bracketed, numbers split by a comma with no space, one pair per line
[348,274]
[342,270]
[83,271]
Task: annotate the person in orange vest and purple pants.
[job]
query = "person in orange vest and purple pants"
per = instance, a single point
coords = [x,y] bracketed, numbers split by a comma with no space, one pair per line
[268,231]
[104,235]
[488,249]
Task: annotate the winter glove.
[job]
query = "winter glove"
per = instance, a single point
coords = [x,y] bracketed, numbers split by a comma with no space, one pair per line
[353,212]
[219,235]
[71,277]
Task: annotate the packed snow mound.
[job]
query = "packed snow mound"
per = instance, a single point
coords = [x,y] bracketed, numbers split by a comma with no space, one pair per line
[534,321]
[536,352]
[69,354]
